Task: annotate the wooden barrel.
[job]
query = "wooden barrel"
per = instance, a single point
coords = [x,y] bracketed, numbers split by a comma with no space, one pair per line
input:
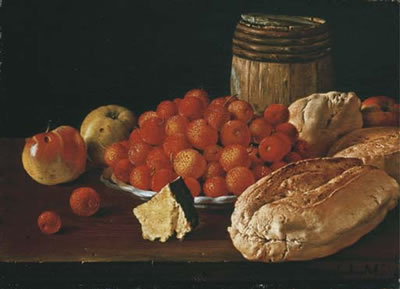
[278,59]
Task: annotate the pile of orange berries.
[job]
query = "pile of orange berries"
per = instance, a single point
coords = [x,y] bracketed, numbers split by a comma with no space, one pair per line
[218,147]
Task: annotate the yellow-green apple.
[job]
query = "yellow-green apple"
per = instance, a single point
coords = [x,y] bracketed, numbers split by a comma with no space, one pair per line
[55,157]
[104,126]
[380,111]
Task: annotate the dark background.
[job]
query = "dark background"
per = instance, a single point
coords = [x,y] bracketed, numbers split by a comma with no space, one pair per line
[60,58]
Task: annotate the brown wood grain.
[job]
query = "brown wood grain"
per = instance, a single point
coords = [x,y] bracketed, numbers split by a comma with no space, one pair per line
[113,235]
[325,67]
[279,38]
[257,39]
[278,48]
[279,59]
[283,30]
[303,80]
[263,83]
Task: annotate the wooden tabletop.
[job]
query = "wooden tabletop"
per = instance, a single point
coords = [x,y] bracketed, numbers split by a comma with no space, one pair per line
[113,237]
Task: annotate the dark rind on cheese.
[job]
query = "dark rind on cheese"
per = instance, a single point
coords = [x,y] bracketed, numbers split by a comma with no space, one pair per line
[185,199]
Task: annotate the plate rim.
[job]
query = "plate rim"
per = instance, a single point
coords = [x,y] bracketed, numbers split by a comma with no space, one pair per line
[200,201]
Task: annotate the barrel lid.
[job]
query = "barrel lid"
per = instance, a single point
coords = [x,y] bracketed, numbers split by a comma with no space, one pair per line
[281,38]
[282,22]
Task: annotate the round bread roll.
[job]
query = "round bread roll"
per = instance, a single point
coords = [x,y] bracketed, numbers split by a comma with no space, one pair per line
[377,146]
[311,209]
[322,118]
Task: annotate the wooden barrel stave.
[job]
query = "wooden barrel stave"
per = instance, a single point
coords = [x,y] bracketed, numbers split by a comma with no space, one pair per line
[273,82]
[278,59]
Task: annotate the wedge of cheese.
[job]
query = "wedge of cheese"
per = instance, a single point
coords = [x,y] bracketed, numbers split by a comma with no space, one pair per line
[169,211]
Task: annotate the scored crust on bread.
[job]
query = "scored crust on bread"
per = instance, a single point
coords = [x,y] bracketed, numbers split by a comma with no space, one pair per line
[377,146]
[310,209]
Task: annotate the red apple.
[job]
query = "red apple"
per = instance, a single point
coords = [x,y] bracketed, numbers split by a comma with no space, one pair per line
[380,111]
[377,103]
[55,157]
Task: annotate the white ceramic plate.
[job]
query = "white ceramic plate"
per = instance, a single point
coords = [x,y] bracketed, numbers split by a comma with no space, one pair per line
[199,202]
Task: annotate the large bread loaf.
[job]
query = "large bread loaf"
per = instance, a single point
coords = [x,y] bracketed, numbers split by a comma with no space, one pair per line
[377,146]
[311,209]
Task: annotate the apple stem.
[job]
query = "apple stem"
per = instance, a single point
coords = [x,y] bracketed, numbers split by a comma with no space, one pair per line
[48,125]
[112,115]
